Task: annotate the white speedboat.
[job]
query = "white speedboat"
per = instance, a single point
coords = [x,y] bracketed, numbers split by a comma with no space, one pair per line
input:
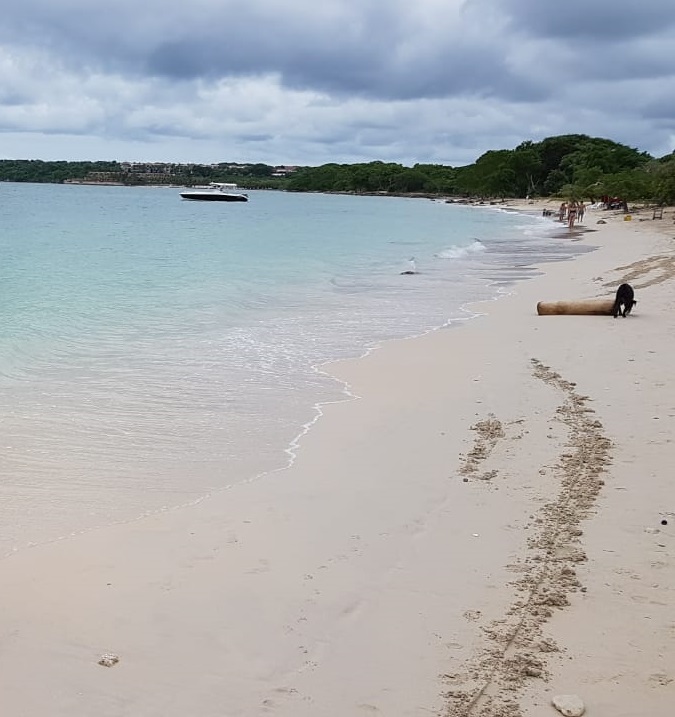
[216,192]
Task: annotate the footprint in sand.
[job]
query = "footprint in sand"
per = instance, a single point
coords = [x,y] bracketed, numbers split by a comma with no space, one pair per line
[352,608]
[262,567]
[309,665]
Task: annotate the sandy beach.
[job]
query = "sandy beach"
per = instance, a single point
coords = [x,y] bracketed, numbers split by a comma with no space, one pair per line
[488,522]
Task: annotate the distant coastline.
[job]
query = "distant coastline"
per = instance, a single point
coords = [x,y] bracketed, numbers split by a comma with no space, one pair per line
[572,167]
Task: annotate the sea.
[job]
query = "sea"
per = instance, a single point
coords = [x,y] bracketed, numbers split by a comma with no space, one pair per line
[154,351]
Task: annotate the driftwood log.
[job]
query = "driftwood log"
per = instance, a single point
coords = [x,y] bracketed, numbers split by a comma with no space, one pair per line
[581,307]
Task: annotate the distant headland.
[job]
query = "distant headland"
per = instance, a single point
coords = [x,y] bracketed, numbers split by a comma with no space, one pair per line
[572,166]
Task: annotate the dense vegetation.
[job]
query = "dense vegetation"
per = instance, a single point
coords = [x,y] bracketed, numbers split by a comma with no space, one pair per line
[34,170]
[250,176]
[573,166]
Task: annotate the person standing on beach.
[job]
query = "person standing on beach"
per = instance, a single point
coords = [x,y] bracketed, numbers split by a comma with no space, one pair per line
[562,212]
[571,215]
[581,210]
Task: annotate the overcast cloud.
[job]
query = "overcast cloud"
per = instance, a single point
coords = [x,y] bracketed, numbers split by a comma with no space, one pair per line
[307,82]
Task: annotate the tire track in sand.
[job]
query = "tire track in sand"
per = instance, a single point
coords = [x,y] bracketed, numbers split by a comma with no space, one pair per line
[516,650]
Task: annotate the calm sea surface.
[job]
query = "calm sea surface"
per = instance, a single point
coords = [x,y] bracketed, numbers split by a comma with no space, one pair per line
[154,350]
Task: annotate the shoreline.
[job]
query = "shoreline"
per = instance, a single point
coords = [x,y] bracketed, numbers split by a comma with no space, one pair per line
[18,534]
[373,567]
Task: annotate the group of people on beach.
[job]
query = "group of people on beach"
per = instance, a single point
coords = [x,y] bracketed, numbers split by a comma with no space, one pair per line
[571,212]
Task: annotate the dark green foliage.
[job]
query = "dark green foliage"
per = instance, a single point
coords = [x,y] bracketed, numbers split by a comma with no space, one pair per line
[441,179]
[572,166]
[374,178]
[34,170]
[662,175]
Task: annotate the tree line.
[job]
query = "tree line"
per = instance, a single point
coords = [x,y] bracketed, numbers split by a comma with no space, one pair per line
[35,170]
[250,176]
[573,166]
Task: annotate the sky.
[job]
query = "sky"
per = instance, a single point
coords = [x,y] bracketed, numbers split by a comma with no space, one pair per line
[306,82]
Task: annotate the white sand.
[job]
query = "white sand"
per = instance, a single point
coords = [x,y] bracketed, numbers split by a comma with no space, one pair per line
[371,577]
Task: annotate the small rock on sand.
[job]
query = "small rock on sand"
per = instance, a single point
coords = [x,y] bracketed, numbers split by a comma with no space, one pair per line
[569,705]
[108,659]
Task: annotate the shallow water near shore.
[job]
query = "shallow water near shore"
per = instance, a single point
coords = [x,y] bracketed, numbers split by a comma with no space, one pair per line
[153,350]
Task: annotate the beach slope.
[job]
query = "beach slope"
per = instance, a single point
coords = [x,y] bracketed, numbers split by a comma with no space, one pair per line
[486,522]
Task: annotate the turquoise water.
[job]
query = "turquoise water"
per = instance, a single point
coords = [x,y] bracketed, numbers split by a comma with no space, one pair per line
[153,350]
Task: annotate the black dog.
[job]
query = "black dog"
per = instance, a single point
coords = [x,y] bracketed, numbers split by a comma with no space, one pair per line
[624,298]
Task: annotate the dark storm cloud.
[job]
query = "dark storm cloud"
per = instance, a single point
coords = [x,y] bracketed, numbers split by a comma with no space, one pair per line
[430,80]
[373,55]
[632,59]
[256,137]
[450,71]
[380,49]
[579,40]
[605,20]
[13,97]
[372,49]
[662,108]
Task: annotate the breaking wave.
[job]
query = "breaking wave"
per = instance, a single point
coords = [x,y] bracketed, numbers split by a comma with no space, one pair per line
[458,252]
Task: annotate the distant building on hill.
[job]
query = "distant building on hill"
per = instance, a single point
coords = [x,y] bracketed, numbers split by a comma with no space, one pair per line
[283,171]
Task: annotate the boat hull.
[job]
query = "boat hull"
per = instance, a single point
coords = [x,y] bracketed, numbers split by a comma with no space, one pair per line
[214,197]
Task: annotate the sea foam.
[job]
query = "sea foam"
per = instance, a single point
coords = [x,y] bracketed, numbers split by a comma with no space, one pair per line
[458,252]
